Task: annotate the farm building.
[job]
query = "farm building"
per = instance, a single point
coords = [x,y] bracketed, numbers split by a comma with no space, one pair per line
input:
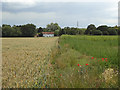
[48,34]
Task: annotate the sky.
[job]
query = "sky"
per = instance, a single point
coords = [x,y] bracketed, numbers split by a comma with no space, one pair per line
[64,12]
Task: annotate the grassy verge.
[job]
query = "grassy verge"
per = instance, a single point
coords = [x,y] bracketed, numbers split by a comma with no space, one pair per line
[74,50]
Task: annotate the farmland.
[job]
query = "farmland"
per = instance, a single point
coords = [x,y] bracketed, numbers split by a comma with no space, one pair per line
[71,61]
[78,63]
[25,60]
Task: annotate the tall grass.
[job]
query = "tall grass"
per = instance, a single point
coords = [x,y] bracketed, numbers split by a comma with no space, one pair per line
[74,50]
[95,46]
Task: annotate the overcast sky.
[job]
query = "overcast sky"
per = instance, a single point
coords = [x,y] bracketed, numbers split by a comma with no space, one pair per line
[65,13]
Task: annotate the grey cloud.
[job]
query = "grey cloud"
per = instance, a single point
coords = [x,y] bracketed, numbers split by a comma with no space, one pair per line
[64,13]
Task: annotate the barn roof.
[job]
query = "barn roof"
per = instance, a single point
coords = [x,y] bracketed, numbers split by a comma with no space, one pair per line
[47,32]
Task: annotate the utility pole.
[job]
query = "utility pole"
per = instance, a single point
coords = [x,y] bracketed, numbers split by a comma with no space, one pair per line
[77,24]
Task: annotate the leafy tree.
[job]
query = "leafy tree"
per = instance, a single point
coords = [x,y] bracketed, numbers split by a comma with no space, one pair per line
[112,31]
[90,28]
[105,32]
[39,31]
[118,30]
[103,28]
[61,31]
[28,30]
[7,31]
[17,31]
[67,30]
[96,32]
[73,31]
[56,32]
[81,31]
[53,27]
[3,25]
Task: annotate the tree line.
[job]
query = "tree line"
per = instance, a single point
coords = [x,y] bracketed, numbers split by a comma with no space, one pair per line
[30,30]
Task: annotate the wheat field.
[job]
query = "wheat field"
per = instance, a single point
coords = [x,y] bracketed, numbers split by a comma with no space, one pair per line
[25,61]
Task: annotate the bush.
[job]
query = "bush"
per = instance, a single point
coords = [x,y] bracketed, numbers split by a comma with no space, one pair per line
[96,32]
[112,31]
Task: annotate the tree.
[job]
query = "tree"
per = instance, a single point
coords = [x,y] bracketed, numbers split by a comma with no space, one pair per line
[17,31]
[3,25]
[118,30]
[112,31]
[39,31]
[103,28]
[67,30]
[28,30]
[105,32]
[96,32]
[56,32]
[61,31]
[7,31]
[80,31]
[73,31]
[53,27]
[90,28]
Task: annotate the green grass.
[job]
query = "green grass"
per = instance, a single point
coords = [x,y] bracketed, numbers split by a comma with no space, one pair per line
[74,50]
[95,46]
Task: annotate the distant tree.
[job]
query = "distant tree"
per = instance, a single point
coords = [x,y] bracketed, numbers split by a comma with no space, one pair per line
[53,27]
[28,30]
[90,28]
[56,32]
[82,31]
[112,31]
[40,30]
[67,30]
[16,31]
[7,31]
[61,31]
[3,25]
[105,32]
[118,30]
[96,32]
[103,28]
[73,31]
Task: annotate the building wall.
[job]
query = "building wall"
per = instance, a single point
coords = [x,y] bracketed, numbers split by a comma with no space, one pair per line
[48,35]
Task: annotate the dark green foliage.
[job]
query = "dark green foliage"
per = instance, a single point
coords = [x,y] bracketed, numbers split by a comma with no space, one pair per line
[7,31]
[96,32]
[112,31]
[28,30]
[17,31]
[61,31]
[39,31]
[56,32]
[89,30]
[105,33]
[118,30]
[103,28]
[73,31]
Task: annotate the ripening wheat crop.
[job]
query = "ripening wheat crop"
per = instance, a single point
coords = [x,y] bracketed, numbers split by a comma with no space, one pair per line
[25,60]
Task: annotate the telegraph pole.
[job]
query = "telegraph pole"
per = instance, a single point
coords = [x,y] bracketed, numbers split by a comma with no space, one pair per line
[77,24]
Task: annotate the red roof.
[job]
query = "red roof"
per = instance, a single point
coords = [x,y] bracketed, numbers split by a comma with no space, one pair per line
[47,32]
